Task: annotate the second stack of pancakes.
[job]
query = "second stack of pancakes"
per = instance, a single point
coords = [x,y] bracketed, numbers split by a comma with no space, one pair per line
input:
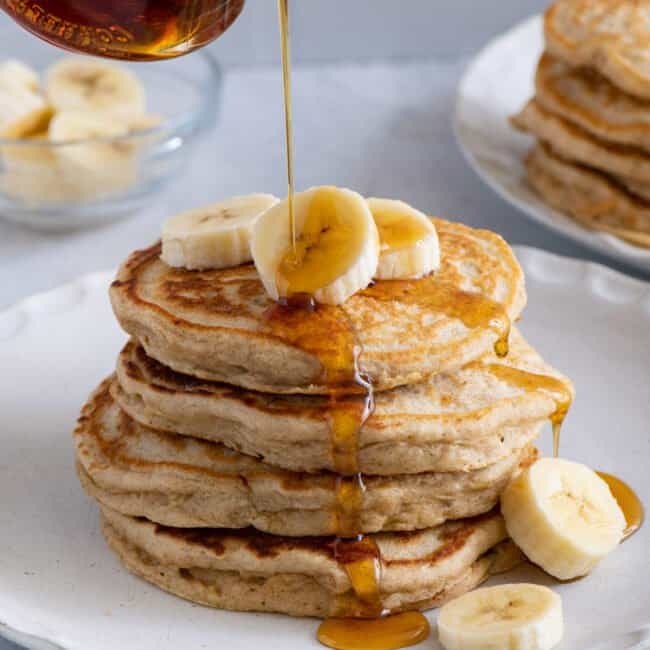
[591,116]
[253,456]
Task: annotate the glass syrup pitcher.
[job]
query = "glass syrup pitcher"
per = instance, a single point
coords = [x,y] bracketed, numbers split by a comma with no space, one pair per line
[137,30]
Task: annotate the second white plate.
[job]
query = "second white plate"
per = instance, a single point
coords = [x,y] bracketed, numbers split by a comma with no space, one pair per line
[496,85]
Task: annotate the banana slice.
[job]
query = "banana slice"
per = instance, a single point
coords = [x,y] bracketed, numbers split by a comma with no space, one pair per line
[30,173]
[73,129]
[89,85]
[517,617]
[15,74]
[92,153]
[22,111]
[337,246]
[563,516]
[216,236]
[409,247]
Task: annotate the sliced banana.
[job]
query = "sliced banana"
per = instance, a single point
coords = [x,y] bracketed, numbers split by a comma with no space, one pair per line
[409,246]
[30,173]
[15,74]
[92,152]
[137,123]
[216,236]
[35,175]
[89,85]
[336,251]
[563,517]
[513,617]
[73,130]
[22,111]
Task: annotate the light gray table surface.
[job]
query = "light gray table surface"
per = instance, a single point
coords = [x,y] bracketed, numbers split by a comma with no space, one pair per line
[380,128]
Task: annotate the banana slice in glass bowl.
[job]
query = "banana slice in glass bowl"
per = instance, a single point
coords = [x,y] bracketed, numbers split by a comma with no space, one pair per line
[83,142]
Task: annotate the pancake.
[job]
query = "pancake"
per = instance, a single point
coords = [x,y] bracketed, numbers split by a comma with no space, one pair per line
[251,571]
[594,199]
[453,422]
[185,482]
[222,326]
[612,36]
[589,100]
[573,143]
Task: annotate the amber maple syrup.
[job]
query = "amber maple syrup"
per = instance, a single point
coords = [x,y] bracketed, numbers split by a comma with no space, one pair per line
[283,15]
[138,30]
[363,622]
[472,309]
[530,382]
[628,501]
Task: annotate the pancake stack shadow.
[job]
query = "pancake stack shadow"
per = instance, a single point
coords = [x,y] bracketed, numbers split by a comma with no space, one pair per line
[228,473]
[591,116]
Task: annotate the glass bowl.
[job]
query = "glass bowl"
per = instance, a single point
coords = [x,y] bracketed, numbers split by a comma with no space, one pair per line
[84,183]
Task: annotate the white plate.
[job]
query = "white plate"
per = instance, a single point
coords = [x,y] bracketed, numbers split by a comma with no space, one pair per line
[497,83]
[60,583]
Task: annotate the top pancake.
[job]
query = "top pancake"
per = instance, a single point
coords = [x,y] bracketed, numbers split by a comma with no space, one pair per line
[612,36]
[220,325]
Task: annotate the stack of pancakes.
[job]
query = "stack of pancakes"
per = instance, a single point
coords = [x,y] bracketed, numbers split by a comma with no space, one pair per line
[591,115]
[316,460]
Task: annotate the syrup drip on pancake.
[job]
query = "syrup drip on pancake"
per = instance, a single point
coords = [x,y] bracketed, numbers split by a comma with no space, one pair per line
[628,501]
[472,309]
[362,561]
[328,333]
[529,382]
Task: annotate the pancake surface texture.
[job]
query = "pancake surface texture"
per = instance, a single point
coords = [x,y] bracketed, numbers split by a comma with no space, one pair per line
[220,325]
[612,36]
[573,143]
[302,576]
[592,198]
[185,482]
[458,421]
[587,99]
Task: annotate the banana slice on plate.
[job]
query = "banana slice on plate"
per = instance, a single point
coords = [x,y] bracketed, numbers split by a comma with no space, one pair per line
[563,516]
[409,247]
[516,617]
[216,236]
[16,74]
[89,85]
[336,246]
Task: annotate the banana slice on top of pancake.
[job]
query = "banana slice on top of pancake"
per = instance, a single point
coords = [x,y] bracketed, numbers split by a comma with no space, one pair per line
[216,236]
[409,247]
[336,249]
[340,241]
